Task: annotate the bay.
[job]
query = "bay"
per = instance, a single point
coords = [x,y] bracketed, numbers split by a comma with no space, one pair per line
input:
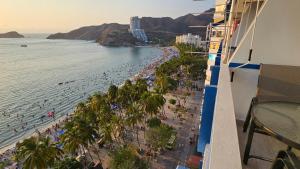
[55,75]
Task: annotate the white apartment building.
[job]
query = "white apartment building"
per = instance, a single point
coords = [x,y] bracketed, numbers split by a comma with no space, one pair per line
[190,39]
[135,29]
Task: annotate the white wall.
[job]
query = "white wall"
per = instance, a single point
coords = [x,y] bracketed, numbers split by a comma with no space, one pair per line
[206,157]
[245,22]
[277,35]
[244,87]
[225,152]
[208,71]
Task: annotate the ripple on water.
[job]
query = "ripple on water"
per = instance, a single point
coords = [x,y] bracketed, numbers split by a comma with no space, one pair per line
[30,77]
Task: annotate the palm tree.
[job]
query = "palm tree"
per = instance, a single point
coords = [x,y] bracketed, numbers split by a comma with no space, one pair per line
[139,88]
[127,157]
[161,82]
[152,102]
[112,93]
[96,102]
[85,112]
[105,125]
[160,101]
[124,98]
[37,152]
[70,138]
[110,123]
[134,116]
[68,163]
[79,135]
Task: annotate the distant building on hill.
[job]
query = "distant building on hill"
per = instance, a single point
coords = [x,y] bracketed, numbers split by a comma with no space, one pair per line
[190,39]
[135,29]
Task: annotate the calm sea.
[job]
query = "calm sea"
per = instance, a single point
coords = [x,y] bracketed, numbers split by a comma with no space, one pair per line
[55,75]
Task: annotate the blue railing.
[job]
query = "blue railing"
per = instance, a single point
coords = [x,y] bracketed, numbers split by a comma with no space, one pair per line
[214,79]
[206,117]
[210,93]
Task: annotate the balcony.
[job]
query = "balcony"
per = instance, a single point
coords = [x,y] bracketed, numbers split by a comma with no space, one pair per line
[226,140]
[262,145]
[263,40]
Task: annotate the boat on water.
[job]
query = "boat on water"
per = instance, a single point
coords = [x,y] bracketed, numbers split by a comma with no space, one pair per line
[24,46]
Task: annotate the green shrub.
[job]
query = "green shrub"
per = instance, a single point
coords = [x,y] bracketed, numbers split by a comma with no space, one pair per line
[172,101]
[154,122]
[158,137]
[126,158]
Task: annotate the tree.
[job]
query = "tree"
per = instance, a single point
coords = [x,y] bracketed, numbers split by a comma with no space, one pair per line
[96,102]
[124,98]
[160,101]
[85,112]
[172,101]
[134,116]
[112,93]
[127,158]
[161,82]
[108,123]
[154,122]
[37,152]
[152,102]
[140,87]
[68,163]
[79,134]
[158,137]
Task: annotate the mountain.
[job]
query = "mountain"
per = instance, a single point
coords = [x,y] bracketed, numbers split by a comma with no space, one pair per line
[159,30]
[12,34]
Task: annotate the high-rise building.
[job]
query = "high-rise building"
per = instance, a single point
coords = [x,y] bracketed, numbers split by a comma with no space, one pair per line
[135,23]
[135,29]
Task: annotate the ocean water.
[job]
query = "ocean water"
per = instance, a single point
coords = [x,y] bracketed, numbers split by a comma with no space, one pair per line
[55,75]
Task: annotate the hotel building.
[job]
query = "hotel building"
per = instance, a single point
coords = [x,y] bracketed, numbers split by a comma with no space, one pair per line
[190,39]
[135,29]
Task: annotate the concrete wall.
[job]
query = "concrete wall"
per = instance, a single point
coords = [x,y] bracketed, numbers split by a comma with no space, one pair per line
[277,35]
[225,152]
[246,20]
[244,87]
[276,41]
[206,157]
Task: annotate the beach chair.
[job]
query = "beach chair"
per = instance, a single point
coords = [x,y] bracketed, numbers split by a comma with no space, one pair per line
[275,83]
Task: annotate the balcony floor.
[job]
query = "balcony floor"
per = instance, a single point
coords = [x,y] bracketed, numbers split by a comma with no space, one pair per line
[262,145]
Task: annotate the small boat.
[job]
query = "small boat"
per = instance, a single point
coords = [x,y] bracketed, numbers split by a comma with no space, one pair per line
[24,46]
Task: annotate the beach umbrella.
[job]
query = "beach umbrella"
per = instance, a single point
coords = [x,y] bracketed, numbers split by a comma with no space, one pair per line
[61,132]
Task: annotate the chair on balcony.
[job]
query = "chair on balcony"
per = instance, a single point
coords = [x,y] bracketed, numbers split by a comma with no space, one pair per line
[277,85]
[286,160]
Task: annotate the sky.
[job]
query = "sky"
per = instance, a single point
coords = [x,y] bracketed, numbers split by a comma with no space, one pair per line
[50,16]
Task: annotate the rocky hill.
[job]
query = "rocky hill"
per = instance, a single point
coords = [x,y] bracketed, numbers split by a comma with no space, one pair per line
[12,34]
[159,30]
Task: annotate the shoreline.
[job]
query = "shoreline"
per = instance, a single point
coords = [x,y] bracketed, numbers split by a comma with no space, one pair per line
[168,53]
